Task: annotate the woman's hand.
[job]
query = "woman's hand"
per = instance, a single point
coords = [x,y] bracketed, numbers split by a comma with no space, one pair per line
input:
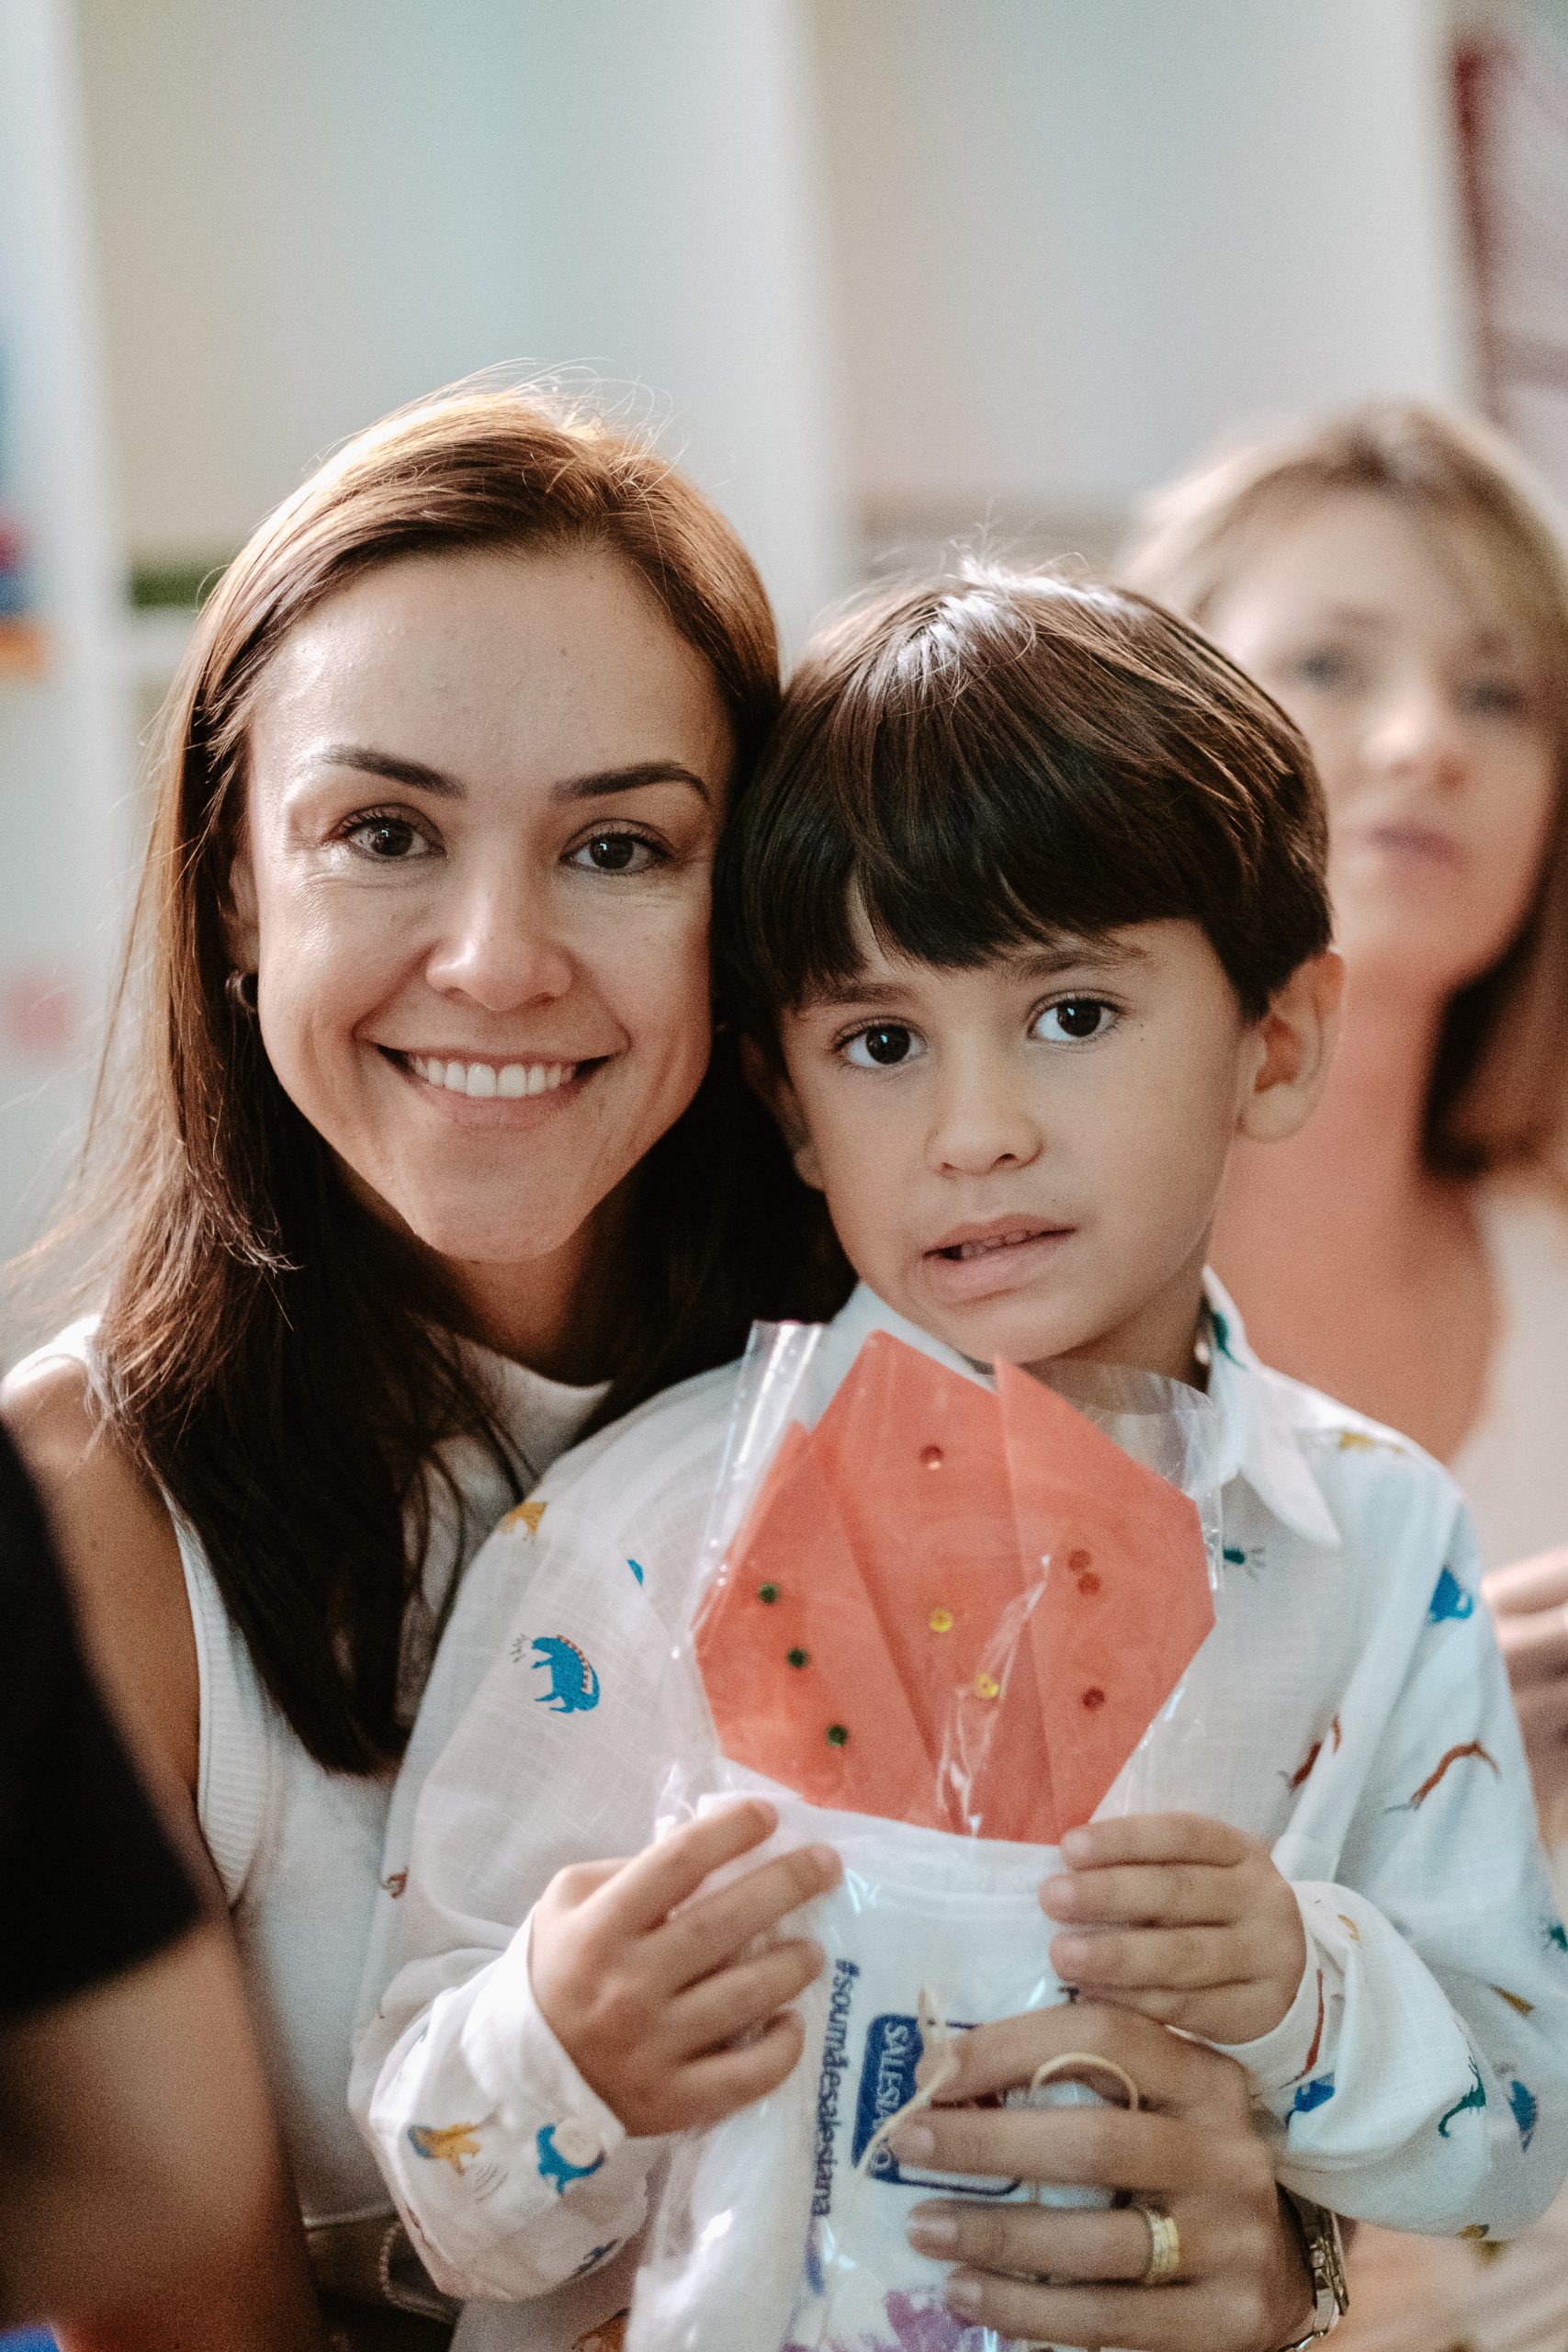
[1530,1605]
[1180,1916]
[646,1982]
[1191,2151]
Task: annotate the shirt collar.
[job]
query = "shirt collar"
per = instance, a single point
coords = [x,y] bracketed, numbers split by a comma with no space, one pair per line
[1259,1440]
[1262,1439]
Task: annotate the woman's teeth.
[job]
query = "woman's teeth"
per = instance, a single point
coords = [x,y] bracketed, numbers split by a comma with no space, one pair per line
[510,1078]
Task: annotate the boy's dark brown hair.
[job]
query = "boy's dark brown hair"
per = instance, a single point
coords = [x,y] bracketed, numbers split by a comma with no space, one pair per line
[996,758]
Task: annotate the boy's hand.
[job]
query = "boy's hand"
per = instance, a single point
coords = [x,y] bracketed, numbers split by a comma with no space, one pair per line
[647,2006]
[1182,1917]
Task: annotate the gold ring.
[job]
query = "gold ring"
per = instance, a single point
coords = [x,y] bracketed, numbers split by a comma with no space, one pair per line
[1164,2246]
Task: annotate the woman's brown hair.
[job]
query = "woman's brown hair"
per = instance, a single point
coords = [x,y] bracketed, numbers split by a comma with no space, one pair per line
[272,1357]
[1499,1078]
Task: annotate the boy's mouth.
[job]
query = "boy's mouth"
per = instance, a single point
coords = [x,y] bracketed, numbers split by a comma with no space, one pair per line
[981,1261]
[971,1241]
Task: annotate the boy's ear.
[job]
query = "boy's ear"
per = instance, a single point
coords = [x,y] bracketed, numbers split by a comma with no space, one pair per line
[768,1078]
[1295,1043]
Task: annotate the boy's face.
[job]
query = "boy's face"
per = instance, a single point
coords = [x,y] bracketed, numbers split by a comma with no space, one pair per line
[1024,1158]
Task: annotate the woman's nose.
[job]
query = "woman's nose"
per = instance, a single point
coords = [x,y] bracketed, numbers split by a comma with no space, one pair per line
[984,1122]
[500,945]
[1419,732]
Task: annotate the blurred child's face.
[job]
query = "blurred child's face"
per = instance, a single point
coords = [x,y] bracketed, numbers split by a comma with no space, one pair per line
[1024,1158]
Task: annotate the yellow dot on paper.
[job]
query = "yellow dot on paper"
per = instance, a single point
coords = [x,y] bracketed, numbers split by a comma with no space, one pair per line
[987,1687]
[941,1620]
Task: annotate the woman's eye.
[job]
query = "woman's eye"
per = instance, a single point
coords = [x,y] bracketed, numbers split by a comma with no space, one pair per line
[1494,698]
[615,853]
[1328,667]
[389,839]
[1074,1020]
[883,1048]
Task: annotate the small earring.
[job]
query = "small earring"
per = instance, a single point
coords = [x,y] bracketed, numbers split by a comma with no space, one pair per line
[240,987]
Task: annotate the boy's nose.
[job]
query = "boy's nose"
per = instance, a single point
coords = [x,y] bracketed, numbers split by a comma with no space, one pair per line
[982,1122]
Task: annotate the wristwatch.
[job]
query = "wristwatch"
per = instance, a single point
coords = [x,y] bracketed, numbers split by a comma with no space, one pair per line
[1323,2251]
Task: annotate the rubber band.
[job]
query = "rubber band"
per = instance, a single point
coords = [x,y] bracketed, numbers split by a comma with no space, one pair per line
[937,2035]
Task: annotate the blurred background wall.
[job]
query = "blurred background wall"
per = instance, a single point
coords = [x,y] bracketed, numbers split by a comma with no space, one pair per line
[885,272]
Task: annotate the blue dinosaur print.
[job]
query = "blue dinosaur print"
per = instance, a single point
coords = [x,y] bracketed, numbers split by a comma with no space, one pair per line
[1451,1599]
[574,1686]
[635,1568]
[1555,1935]
[600,2253]
[1311,2095]
[1474,2097]
[1522,2101]
[1221,1331]
[555,2167]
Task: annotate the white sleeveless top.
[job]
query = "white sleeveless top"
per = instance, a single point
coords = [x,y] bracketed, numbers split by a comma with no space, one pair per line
[1514,1464]
[298,1848]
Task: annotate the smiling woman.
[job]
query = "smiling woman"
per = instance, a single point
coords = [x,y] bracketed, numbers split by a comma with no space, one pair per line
[421,1157]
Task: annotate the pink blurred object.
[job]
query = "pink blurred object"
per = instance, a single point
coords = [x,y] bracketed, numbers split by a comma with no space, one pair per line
[953,1607]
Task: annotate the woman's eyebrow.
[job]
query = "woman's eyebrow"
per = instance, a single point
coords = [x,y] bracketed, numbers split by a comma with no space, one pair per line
[627,779]
[388,765]
[422,778]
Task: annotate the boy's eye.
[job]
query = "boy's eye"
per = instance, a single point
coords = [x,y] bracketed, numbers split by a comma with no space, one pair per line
[883,1048]
[615,853]
[1074,1020]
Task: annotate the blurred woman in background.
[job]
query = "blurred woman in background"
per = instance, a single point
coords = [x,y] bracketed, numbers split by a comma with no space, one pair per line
[1391,578]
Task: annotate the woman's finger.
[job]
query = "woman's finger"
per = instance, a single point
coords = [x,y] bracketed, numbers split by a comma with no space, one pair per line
[1172,1893]
[1139,2319]
[1155,1838]
[1037,2241]
[1174,2076]
[1540,1582]
[1141,1959]
[1090,2147]
[709,2014]
[1535,1647]
[718,1926]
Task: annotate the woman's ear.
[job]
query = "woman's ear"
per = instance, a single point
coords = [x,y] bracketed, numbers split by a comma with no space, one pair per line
[768,1078]
[1295,1044]
[242,925]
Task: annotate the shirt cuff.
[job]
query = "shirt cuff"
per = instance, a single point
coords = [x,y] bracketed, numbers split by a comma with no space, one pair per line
[1276,2059]
[538,2091]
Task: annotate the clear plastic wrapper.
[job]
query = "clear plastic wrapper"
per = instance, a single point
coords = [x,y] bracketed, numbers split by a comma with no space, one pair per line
[937,1620]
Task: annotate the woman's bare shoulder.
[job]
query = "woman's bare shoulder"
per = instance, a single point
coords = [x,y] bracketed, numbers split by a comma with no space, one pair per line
[118,1542]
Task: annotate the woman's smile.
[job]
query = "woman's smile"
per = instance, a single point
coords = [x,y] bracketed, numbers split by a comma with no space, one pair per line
[514,1093]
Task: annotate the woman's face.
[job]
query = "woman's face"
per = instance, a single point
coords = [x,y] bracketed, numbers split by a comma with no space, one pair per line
[482,800]
[1387,639]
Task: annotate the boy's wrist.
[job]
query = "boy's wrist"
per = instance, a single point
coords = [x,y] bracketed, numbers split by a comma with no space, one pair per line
[1280,2057]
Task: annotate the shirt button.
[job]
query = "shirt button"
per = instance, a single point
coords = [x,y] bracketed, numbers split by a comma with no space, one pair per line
[578,2143]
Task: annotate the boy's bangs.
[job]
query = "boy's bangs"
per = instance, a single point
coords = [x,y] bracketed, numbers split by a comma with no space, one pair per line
[989,765]
[943,868]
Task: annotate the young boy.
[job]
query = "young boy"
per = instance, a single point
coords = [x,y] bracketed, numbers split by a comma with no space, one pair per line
[1025,918]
